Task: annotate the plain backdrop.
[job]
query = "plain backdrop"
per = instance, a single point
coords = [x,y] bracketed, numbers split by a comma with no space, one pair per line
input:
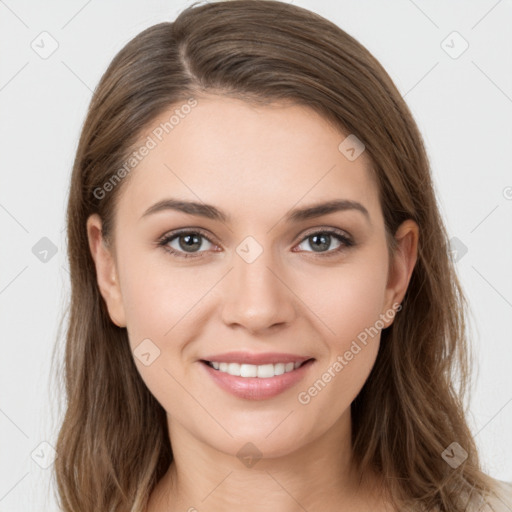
[452,61]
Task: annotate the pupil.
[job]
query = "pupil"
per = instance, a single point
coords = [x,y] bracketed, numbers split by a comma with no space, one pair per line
[324,244]
[191,241]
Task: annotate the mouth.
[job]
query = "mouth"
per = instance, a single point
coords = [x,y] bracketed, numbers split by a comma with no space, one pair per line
[262,371]
[256,381]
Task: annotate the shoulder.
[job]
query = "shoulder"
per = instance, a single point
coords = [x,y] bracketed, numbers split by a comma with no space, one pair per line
[499,500]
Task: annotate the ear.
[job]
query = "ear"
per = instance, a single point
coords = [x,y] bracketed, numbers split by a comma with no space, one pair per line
[106,271]
[402,265]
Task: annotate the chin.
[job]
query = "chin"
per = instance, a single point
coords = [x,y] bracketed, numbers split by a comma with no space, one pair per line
[267,439]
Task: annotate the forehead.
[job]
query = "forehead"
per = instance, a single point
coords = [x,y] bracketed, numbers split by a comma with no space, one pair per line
[243,157]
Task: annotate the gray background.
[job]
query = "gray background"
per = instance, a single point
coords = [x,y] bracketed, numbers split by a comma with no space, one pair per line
[462,104]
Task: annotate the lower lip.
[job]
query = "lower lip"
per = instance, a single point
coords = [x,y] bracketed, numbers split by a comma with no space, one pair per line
[255,388]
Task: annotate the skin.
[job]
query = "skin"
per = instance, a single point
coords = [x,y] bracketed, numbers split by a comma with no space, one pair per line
[255,163]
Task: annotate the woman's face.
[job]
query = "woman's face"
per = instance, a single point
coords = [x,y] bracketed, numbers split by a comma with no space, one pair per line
[257,278]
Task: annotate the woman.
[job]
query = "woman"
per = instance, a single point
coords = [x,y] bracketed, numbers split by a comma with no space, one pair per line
[264,311]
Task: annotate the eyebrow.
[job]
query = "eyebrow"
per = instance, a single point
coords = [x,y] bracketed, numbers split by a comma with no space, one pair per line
[299,214]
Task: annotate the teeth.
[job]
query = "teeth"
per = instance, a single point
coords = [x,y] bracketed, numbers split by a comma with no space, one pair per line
[263,371]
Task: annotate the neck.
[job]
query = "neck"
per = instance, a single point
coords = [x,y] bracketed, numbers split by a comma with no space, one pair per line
[319,476]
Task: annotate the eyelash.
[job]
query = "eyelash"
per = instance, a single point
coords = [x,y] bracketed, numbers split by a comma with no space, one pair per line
[336,233]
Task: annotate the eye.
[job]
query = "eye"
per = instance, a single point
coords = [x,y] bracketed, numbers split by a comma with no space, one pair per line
[321,240]
[186,243]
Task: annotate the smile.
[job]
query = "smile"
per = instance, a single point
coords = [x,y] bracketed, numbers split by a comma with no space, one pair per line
[263,371]
[256,382]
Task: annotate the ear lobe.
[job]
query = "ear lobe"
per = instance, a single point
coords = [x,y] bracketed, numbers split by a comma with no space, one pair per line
[106,271]
[405,257]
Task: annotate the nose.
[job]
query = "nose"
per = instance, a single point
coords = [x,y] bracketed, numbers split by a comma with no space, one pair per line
[256,295]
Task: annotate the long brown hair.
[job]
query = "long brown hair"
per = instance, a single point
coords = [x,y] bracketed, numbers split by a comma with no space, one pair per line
[113,445]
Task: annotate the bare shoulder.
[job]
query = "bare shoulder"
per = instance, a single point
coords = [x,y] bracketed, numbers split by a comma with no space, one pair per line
[499,500]
[503,496]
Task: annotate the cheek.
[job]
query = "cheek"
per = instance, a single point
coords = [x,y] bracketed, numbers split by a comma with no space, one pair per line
[349,305]
[156,296]
[158,305]
[359,302]
[347,299]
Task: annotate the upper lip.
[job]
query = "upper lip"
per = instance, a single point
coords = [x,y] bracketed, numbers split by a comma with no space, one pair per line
[256,359]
